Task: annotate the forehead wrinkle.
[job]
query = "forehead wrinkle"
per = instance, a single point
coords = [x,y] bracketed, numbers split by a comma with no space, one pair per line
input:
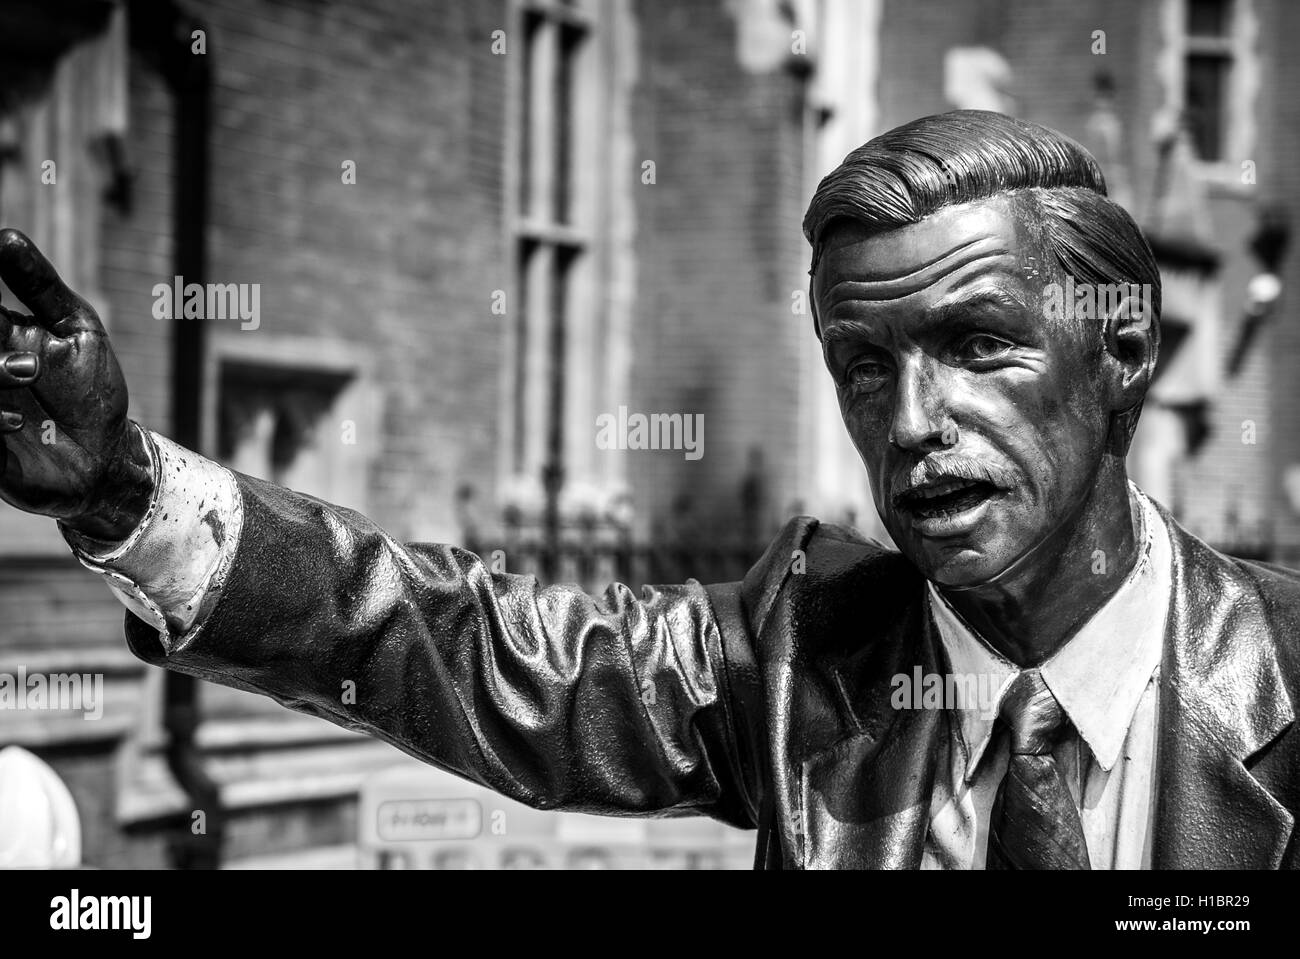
[940,314]
[924,266]
[903,286]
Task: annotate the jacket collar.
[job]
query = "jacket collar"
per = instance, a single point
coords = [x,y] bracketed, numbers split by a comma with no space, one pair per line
[866,799]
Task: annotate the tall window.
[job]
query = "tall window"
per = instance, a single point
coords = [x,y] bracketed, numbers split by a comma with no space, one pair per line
[551,232]
[1208,64]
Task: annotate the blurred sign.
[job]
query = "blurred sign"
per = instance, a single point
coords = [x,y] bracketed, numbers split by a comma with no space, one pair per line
[422,818]
[410,820]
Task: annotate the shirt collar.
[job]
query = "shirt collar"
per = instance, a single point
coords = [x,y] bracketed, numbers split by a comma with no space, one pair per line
[1098,677]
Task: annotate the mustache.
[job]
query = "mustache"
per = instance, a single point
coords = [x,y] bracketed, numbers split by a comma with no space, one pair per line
[935,469]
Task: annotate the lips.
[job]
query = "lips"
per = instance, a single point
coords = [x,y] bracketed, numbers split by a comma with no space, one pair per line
[945,497]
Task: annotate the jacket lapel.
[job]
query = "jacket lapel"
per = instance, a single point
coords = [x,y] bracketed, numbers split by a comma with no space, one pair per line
[866,799]
[1222,700]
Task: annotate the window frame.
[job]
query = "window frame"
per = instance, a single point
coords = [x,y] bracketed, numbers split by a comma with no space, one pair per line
[553,258]
[1239,47]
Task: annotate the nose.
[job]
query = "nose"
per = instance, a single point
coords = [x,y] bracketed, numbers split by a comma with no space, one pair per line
[920,422]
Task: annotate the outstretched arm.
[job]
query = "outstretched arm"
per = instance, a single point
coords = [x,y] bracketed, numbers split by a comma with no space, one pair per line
[622,704]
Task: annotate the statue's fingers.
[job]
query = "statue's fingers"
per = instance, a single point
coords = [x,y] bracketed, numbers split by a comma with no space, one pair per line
[11,421]
[18,370]
[10,319]
[36,283]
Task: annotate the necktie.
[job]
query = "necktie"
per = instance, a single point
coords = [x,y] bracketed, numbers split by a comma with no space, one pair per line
[1035,822]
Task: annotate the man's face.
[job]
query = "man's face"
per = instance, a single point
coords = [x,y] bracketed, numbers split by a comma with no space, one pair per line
[981,422]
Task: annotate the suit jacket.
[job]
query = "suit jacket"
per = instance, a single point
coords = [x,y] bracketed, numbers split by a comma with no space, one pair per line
[765,703]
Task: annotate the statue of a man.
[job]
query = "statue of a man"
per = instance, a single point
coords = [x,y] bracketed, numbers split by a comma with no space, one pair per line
[1048,673]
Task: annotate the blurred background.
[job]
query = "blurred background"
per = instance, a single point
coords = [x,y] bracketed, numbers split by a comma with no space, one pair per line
[474,228]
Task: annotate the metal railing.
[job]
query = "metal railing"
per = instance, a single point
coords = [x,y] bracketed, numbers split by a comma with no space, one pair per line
[594,555]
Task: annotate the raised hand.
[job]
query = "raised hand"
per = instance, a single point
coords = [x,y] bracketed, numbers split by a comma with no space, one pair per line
[67,449]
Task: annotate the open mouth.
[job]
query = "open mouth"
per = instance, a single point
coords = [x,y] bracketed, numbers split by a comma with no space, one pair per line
[948,497]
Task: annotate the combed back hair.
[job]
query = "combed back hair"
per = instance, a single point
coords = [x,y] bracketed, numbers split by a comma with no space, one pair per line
[914,170]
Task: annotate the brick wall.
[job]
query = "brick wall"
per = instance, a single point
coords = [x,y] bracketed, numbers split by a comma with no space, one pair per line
[1279,182]
[399,267]
[719,252]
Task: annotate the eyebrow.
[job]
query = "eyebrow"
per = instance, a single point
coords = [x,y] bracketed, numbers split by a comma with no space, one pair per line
[845,331]
[951,310]
[842,331]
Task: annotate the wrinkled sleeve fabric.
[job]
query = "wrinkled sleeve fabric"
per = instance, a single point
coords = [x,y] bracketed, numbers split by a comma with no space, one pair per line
[621,704]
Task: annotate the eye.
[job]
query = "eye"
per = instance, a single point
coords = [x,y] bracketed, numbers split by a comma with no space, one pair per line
[982,346]
[867,376]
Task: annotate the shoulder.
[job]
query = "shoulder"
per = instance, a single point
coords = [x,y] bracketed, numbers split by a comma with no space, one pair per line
[1272,587]
[1241,595]
[826,572]
[1275,592]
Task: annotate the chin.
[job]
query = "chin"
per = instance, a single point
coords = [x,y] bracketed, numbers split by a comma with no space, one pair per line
[962,566]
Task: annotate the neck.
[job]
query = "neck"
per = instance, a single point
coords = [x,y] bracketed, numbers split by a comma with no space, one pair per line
[1080,566]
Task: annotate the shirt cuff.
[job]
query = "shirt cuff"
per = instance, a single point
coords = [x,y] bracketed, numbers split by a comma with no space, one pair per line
[170,570]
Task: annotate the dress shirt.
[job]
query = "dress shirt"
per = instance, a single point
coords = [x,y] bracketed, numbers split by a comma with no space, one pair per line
[1106,678]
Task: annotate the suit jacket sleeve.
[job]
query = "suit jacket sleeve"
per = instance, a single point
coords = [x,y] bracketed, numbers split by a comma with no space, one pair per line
[615,704]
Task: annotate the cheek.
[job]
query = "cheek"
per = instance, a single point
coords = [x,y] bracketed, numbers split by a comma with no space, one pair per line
[867,422]
[1054,430]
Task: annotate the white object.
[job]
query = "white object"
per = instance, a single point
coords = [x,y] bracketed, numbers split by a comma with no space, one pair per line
[39,824]
[1262,292]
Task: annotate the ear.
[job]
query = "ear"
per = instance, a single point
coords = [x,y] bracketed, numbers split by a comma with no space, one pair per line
[1131,335]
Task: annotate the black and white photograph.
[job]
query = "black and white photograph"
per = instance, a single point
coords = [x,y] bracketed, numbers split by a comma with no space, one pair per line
[650,436]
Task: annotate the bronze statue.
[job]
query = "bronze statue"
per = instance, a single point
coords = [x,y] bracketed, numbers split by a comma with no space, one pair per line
[1050,674]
